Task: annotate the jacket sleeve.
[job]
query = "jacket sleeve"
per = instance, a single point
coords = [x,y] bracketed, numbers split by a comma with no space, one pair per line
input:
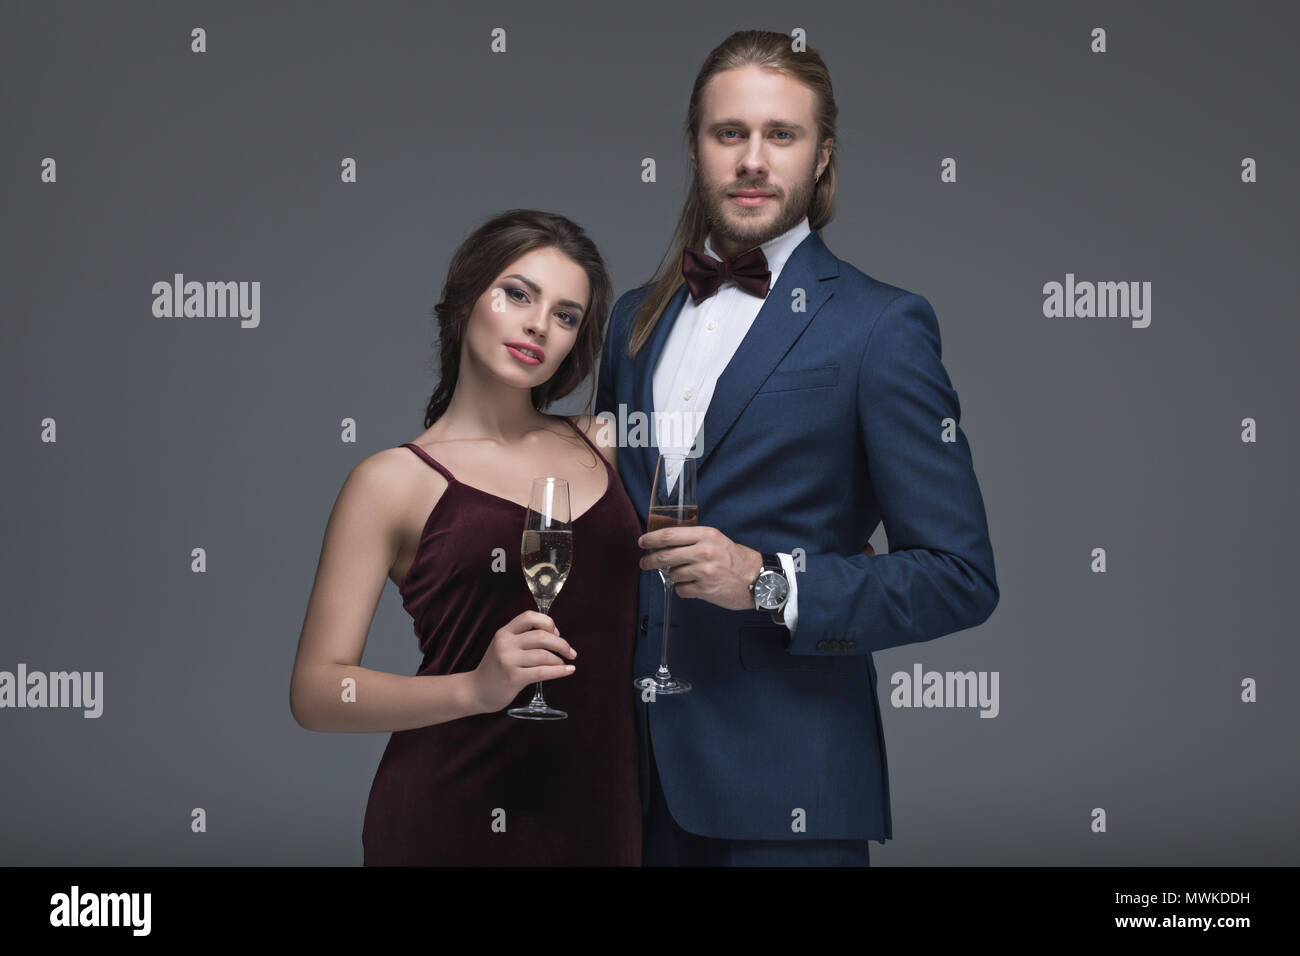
[938,576]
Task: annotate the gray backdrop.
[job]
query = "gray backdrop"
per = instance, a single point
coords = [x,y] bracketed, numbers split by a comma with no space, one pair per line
[1119,690]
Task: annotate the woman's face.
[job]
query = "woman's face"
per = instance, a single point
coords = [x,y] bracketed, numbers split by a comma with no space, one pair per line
[527,320]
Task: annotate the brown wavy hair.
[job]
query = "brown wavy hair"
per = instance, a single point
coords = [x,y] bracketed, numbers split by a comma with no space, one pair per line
[482,257]
[770,51]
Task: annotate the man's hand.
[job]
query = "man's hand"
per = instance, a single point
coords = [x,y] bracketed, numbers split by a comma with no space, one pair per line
[705,564]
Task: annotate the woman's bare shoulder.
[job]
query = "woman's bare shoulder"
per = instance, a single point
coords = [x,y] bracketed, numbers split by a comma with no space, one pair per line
[392,479]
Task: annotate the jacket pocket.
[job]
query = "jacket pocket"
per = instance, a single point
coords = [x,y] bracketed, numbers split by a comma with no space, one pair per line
[823,376]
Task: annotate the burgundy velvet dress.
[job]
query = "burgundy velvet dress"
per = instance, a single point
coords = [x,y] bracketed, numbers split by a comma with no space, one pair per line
[560,792]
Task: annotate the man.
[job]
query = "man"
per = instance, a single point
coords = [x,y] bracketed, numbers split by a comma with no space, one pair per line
[826,411]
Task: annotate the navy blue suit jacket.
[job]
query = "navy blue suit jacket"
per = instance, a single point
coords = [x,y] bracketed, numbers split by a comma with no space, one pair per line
[826,422]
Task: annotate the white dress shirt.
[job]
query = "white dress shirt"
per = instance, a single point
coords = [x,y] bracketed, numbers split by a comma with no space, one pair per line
[700,344]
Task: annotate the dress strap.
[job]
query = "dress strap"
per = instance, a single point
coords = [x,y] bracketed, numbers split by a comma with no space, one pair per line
[428,458]
[598,452]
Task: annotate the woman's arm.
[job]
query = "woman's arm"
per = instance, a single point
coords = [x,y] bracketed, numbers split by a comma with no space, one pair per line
[361,544]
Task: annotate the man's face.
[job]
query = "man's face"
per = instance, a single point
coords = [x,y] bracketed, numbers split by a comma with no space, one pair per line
[756,135]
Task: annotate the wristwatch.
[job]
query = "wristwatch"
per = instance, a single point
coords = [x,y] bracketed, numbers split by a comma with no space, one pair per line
[770,589]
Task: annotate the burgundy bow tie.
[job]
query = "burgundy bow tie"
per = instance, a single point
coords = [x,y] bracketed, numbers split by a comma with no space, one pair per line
[704,274]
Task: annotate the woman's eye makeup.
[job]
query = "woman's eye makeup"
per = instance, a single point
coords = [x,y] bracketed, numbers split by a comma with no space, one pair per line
[570,318]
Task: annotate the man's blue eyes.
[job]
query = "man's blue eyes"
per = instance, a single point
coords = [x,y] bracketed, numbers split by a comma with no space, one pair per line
[573,319]
[784,132]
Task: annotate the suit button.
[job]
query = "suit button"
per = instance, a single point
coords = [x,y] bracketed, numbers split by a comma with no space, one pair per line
[645,623]
[822,645]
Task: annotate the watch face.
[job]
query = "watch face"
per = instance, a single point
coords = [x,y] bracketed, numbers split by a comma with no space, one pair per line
[770,589]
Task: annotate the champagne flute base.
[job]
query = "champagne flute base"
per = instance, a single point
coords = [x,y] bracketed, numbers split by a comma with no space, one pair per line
[662,685]
[533,712]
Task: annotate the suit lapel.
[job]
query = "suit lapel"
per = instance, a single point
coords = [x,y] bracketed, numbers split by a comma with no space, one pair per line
[776,328]
[643,377]
[649,356]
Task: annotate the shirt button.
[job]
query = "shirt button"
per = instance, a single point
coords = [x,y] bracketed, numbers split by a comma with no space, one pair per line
[687,396]
[712,325]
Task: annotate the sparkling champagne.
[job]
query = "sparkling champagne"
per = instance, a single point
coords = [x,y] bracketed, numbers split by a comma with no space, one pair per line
[546,557]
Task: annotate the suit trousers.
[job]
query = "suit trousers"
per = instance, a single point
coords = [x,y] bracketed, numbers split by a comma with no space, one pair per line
[664,843]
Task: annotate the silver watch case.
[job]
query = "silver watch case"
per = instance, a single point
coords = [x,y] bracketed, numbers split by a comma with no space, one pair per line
[770,590]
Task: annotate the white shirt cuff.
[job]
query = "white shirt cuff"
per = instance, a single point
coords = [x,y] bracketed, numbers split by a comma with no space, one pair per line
[791,610]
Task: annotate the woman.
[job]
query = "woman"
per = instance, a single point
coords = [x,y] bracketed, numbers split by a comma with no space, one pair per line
[460,781]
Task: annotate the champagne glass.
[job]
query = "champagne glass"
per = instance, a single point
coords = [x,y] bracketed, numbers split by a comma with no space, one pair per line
[546,552]
[672,504]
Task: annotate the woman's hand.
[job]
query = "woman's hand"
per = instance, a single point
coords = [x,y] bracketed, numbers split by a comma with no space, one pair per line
[529,648]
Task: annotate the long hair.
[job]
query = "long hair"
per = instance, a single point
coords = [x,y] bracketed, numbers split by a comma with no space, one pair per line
[770,51]
[482,257]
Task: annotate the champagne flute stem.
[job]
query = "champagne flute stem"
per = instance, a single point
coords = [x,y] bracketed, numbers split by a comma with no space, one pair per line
[538,701]
[663,656]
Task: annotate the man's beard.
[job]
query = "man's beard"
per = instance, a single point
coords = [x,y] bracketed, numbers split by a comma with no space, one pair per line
[740,230]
